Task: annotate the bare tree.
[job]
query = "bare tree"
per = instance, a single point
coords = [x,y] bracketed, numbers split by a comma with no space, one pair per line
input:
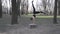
[55,12]
[14,12]
[44,4]
[0,9]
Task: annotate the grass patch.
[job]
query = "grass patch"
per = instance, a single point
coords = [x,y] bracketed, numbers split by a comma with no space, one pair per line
[41,16]
[47,17]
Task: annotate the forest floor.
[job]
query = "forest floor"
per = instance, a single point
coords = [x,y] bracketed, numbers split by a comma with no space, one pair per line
[44,26]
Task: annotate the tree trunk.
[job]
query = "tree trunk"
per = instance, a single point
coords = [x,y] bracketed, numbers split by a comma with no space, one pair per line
[27,8]
[18,6]
[44,4]
[0,9]
[22,7]
[55,13]
[14,13]
[58,7]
